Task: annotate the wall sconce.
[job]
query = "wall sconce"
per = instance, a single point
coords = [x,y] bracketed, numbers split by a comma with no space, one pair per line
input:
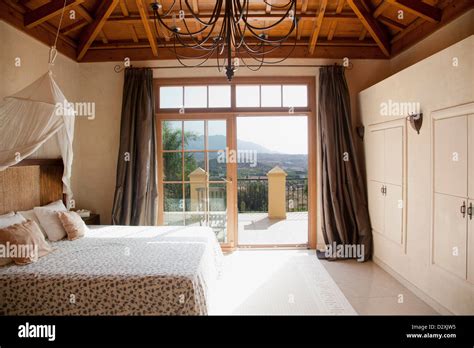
[416,121]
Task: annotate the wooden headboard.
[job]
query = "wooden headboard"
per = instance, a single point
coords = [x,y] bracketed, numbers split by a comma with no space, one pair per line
[31,183]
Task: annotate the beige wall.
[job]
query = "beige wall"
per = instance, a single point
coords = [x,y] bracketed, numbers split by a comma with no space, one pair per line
[435,84]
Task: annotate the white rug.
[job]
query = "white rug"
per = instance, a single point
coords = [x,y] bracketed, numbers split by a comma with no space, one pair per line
[277,282]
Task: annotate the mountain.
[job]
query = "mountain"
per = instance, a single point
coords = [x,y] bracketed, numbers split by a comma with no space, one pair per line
[218,142]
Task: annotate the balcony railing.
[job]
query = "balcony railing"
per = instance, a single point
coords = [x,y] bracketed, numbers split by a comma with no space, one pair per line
[253,195]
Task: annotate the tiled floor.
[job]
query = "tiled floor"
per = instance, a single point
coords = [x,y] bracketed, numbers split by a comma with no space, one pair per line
[371,290]
[258,229]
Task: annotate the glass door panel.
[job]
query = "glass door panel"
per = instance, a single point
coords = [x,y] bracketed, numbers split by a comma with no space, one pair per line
[194,174]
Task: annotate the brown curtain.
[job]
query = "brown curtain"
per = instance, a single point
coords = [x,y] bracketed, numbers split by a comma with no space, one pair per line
[135,201]
[345,217]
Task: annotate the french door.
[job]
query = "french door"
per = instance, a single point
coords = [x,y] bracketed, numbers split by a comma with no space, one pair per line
[195,176]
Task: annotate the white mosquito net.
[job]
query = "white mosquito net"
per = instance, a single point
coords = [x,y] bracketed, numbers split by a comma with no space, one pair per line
[32,116]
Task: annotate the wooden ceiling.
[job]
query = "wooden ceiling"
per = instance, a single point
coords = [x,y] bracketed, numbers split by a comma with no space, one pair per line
[111,30]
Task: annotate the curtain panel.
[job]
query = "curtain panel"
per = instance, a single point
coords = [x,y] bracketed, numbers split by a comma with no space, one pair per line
[136,196]
[345,216]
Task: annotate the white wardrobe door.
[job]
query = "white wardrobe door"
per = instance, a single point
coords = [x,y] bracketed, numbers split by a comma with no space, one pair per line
[393,213]
[470,244]
[470,151]
[450,234]
[376,205]
[393,153]
[375,160]
[450,156]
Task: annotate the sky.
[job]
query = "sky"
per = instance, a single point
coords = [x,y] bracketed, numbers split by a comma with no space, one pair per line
[284,134]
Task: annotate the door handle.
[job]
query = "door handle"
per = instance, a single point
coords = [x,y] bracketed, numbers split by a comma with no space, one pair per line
[469,211]
[463,209]
[382,190]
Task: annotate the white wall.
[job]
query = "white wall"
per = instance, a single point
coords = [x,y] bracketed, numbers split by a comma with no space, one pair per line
[435,83]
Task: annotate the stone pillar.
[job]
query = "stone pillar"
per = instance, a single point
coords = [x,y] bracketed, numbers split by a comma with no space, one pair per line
[277,193]
[198,179]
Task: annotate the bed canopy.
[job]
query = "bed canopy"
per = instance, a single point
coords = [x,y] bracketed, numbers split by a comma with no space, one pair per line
[35,114]
[31,117]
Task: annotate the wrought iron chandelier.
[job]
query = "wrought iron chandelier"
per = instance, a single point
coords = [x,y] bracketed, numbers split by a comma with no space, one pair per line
[235,43]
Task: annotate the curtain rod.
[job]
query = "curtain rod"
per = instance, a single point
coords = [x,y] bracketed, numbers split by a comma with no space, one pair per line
[119,68]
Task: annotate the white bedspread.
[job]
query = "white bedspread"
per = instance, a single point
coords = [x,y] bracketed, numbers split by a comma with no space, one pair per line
[118,270]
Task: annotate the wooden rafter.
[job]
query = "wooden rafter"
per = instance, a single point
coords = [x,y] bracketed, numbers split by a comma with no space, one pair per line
[268,7]
[48,11]
[392,23]
[74,26]
[332,29]
[304,6]
[134,33]
[149,33]
[373,27]
[317,26]
[93,29]
[380,8]
[124,8]
[340,6]
[419,8]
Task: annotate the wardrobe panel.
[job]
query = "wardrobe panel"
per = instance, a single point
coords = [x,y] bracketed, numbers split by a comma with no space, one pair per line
[376,205]
[376,156]
[470,177]
[393,154]
[393,213]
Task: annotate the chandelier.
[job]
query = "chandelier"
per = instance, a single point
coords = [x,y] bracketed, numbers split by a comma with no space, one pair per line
[226,34]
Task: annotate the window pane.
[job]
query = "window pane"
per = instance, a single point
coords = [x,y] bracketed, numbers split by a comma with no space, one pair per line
[216,135]
[173,205]
[172,135]
[248,96]
[173,166]
[271,95]
[295,95]
[195,167]
[194,135]
[195,97]
[171,97]
[217,165]
[219,96]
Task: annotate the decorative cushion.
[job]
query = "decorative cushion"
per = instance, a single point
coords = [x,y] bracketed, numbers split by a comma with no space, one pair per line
[47,216]
[73,224]
[9,220]
[30,215]
[23,242]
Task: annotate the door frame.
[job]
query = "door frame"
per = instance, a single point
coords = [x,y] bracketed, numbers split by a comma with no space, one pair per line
[230,115]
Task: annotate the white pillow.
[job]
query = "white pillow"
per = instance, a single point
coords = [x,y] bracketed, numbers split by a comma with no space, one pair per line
[30,215]
[49,220]
[5,221]
[7,214]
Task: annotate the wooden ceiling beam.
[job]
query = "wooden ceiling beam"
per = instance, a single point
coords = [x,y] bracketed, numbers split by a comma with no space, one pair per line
[93,29]
[419,8]
[268,7]
[332,30]
[380,8]
[392,23]
[47,11]
[328,52]
[124,8]
[149,33]
[74,26]
[304,6]
[373,27]
[340,6]
[317,26]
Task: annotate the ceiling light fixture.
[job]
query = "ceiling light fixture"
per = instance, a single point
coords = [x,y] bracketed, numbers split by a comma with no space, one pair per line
[226,34]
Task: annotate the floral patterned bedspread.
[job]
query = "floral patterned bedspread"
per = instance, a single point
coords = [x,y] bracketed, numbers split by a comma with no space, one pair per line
[118,270]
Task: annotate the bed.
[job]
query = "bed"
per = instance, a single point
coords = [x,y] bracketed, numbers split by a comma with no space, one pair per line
[118,270]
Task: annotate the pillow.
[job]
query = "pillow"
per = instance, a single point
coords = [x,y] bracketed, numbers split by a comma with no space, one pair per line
[50,221]
[30,215]
[6,221]
[14,238]
[7,214]
[73,224]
